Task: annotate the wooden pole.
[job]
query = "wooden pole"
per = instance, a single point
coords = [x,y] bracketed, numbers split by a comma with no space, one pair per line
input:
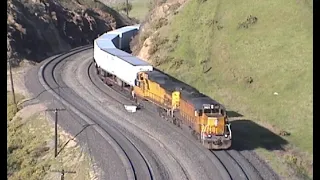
[127,9]
[55,130]
[12,87]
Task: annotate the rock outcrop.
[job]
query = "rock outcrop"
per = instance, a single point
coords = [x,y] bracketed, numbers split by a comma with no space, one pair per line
[40,28]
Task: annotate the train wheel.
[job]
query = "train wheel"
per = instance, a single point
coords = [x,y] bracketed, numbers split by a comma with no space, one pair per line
[98,70]
[174,121]
[178,123]
[198,137]
[119,82]
[193,133]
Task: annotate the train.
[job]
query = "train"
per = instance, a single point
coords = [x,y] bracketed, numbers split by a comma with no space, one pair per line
[185,106]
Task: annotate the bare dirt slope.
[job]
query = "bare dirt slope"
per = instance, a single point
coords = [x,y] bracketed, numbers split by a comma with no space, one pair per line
[40,28]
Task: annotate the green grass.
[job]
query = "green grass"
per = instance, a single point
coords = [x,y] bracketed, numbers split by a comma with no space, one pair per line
[29,153]
[23,151]
[11,110]
[140,9]
[24,148]
[276,52]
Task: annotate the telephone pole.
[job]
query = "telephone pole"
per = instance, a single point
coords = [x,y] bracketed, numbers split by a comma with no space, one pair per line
[12,86]
[56,129]
[63,172]
[127,9]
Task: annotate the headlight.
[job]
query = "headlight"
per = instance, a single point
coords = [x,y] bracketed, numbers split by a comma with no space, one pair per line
[226,135]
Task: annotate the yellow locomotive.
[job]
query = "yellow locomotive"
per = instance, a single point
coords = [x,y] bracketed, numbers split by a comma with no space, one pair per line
[187,107]
[206,118]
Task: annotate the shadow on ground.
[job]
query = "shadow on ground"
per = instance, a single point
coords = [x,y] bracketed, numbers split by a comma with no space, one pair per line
[232,114]
[248,135]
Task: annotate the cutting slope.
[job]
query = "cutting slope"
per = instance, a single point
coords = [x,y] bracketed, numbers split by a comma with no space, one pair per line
[38,29]
[258,65]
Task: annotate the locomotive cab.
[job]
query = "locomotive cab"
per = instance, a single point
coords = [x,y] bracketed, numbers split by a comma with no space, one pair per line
[215,128]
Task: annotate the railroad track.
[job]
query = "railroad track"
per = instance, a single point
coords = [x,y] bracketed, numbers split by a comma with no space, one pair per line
[239,168]
[136,165]
[236,165]
[232,161]
[90,75]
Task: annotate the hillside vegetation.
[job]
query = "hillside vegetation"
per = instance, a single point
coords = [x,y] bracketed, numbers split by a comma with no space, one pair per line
[30,147]
[255,57]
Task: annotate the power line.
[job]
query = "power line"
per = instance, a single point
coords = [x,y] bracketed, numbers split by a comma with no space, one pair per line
[63,173]
[78,121]
[85,131]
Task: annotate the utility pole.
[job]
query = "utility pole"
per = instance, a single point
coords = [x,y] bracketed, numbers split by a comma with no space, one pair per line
[12,87]
[56,129]
[127,9]
[63,172]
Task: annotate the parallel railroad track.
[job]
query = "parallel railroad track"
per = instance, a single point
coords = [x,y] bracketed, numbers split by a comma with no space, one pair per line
[234,162]
[90,75]
[124,144]
[239,168]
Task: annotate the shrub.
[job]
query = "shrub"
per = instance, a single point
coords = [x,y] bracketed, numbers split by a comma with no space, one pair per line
[158,23]
[156,42]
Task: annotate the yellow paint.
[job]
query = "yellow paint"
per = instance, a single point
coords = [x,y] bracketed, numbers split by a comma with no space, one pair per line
[211,121]
[153,92]
[175,99]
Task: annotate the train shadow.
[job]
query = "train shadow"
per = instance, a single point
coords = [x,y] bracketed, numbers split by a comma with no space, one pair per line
[233,114]
[248,135]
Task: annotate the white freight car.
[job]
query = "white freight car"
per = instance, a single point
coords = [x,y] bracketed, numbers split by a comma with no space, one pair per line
[125,35]
[120,64]
[102,43]
[136,26]
[110,37]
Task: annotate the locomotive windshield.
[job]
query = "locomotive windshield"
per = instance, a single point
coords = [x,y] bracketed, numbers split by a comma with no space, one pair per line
[210,110]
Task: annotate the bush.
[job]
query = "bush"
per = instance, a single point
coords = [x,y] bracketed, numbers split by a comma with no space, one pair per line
[251,20]
[157,24]
[123,7]
[23,151]
[155,3]
[201,1]
[156,42]
[176,63]
[159,60]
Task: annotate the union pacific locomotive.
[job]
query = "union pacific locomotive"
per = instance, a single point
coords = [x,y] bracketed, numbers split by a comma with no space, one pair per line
[183,104]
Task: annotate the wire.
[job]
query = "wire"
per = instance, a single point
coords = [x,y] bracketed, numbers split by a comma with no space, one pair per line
[85,131]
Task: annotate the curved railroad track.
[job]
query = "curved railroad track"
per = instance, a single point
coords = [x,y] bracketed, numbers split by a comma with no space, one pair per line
[115,99]
[136,165]
[187,163]
[236,165]
[237,169]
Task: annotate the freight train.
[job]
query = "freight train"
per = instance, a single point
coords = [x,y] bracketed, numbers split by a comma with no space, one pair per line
[184,105]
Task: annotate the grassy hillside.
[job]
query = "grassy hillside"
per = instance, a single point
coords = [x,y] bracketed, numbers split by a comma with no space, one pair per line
[30,147]
[242,61]
[139,9]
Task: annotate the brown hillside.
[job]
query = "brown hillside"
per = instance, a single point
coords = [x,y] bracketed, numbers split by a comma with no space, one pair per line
[38,29]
